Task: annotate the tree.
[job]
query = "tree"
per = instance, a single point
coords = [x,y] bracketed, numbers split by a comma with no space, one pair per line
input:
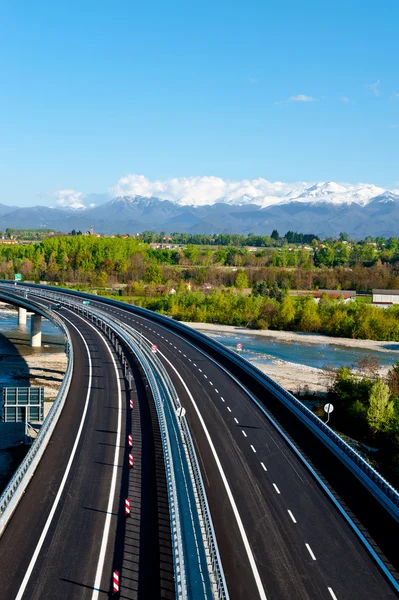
[381,408]
[275,235]
[241,280]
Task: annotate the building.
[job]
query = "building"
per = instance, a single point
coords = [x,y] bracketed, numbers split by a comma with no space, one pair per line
[347,295]
[385,298]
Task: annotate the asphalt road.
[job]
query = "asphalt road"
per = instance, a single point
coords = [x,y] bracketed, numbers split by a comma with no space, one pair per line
[74,557]
[301,545]
[279,535]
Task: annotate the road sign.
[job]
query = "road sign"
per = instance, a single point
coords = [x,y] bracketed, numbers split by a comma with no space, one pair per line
[18,277]
[181,411]
[154,348]
[239,347]
[328,408]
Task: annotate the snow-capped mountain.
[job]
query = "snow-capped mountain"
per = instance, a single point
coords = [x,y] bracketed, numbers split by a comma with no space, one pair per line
[259,206]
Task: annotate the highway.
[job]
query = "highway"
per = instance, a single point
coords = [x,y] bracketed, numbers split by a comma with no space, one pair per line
[280,535]
[67,534]
[300,545]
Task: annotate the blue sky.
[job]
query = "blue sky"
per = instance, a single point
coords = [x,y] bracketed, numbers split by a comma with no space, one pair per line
[286,90]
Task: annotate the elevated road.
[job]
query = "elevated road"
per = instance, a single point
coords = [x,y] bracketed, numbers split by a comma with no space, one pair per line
[67,535]
[281,534]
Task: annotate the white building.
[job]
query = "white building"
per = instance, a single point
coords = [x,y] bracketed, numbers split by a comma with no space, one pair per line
[385,298]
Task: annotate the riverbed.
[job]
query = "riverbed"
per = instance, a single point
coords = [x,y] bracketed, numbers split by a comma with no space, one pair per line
[296,360]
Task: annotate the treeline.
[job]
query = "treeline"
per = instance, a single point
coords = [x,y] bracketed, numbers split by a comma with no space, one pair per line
[103,261]
[229,239]
[278,311]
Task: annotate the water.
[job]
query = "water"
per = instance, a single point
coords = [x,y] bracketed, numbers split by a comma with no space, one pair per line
[263,350]
[15,344]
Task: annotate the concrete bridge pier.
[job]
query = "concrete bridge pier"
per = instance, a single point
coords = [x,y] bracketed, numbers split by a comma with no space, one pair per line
[36,331]
[21,316]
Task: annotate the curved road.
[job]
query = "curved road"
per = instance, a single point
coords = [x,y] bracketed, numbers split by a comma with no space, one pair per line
[68,533]
[279,534]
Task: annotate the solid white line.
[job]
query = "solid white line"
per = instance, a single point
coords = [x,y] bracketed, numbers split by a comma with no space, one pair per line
[253,449]
[111,499]
[276,488]
[32,563]
[263,466]
[332,594]
[292,516]
[229,409]
[235,419]
[310,551]
[243,433]
[244,537]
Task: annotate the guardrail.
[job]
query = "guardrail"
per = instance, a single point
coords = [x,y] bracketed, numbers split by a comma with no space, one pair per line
[13,492]
[385,493]
[197,563]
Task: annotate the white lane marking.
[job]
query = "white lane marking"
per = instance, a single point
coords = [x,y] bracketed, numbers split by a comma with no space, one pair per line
[36,553]
[171,343]
[310,551]
[111,499]
[276,488]
[184,355]
[253,449]
[222,399]
[194,364]
[190,360]
[200,370]
[229,409]
[236,420]
[210,383]
[175,347]
[333,596]
[292,516]
[180,351]
[244,537]
[217,391]
[206,377]
[263,466]
[243,433]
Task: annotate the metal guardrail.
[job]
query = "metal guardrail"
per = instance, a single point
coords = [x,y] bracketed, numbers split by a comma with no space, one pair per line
[385,493]
[198,569]
[13,492]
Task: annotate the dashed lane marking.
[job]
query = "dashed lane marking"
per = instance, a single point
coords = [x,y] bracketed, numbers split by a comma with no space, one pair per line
[263,466]
[310,551]
[292,516]
[276,488]
[253,449]
[243,433]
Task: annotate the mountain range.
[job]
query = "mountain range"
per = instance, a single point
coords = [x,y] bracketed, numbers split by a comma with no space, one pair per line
[324,209]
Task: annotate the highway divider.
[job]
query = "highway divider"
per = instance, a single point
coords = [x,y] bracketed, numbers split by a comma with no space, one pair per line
[197,563]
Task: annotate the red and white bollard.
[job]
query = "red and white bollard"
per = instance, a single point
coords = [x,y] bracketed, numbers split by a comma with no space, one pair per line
[131,403]
[115,582]
[130,440]
[130,460]
[127,507]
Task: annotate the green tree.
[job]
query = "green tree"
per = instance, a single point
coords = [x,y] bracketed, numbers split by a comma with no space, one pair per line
[241,280]
[275,235]
[381,409]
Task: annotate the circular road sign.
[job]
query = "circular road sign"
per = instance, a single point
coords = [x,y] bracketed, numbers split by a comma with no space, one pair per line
[239,346]
[328,408]
[154,348]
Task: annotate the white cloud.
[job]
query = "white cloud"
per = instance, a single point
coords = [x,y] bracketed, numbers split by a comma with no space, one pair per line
[345,99]
[205,190]
[374,87]
[301,98]
[69,198]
